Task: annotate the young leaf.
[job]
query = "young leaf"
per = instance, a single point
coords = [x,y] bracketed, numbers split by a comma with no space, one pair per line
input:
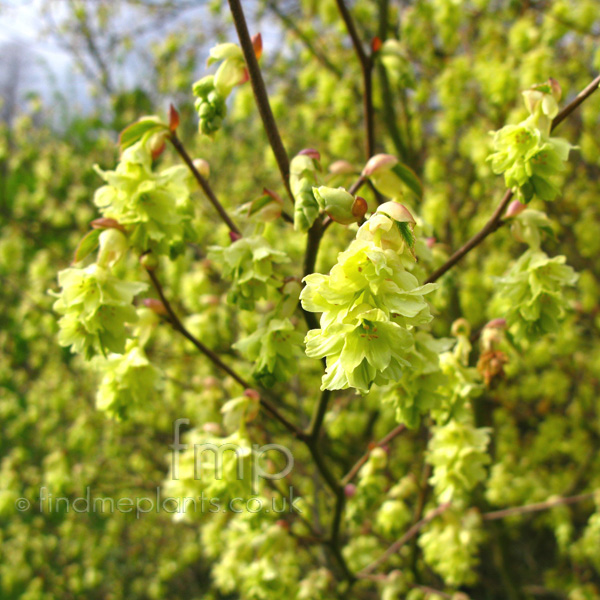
[136,131]
[87,245]
[410,179]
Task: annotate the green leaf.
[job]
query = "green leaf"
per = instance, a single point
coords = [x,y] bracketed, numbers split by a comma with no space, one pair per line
[406,231]
[410,179]
[136,131]
[87,245]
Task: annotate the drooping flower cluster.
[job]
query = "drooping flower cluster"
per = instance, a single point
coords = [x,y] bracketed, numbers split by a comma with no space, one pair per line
[303,177]
[212,91]
[450,545]
[95,308]
[249,264]
[458,453]
[370,303]
[531,296]
[526,153]
[128,380]
[154,207]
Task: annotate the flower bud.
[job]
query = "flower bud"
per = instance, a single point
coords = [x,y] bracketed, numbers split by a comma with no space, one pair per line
[257,45]
[350,490]
[112,247]
[396,211]
[339,204]
[149,261]
[155,305]
[378,458]
[173,118]
[202,167]
[496,324]
[359,208]
[379,162]
[314,154]
[514,208]
[341,167]
[212,428]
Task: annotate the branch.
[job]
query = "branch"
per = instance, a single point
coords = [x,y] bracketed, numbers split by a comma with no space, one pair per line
[393,549]
[539,506]
[495,221]
[260,94]
[366,66]
[214,358]
[365,457]
[179,147]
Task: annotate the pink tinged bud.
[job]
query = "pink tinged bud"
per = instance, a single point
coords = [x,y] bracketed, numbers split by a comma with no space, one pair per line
[514,208]
[212,428]
[350,490]
[252,394]
[234,236]
[496,324]
[245,77]
[155,306]
[396,211]
[314,154]
[359,208]
[202,167]
[210,382]
[283,524]
[157,145]
[379,162]
[376,44]
[173,118]
[257,45]
[555,88]
[341,167]
[430,241]
[107,223]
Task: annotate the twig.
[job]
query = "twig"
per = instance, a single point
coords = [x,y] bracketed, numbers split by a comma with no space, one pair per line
[495,221]
[365,457]
[393,549]
[180,148]
[260,94]
[538,506]
[214,358]
[366,66]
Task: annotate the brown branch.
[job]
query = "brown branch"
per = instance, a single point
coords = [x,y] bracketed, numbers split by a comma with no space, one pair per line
[180,148]
[366,66]
[412,532]
[495,221]
[260,94]
[215,359]
[365,457]
[538,506]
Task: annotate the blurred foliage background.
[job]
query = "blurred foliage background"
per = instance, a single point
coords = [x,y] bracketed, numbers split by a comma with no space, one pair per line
[458,74]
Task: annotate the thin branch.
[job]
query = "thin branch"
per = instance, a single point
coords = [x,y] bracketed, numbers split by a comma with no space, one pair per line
[365,457]
[538,506]
[412,532]
[260,94]
[317,420]
[214,358]
[180,148]
[495,221]
[366,66]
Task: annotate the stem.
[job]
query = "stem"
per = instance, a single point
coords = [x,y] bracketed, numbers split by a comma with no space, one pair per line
[260,94]
[495,221]
[393,549]
[538,506]
[180,148]
[318,416]
[365,457]
[214,358]
[366,66]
